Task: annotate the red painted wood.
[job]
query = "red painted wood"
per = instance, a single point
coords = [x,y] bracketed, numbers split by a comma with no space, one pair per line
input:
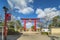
[8,16]
[35,25]
[24,25]
[33,19]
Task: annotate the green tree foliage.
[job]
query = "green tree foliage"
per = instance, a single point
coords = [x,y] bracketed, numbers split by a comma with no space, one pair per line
[1,24]
[19,26]
[11,24]
[32,27]
[55,22]
[18,21]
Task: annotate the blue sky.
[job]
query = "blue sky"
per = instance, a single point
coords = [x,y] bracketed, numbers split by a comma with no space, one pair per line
[46,3]
[31,8]
[36,4]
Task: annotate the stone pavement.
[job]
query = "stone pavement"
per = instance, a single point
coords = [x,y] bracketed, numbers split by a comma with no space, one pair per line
[33,37]
[12,37]
[0,37]
[30,37]
[27,37]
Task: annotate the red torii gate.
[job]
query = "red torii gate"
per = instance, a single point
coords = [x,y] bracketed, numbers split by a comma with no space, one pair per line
[33,19]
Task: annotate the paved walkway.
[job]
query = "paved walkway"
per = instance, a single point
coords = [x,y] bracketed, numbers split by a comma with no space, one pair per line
[27,37]
[11,37]
[33,36]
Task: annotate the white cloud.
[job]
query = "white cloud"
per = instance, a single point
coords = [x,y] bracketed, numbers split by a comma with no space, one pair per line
[40,13]
[29,24]
[27,10]
[31,1]
[49,12]
[13,18]
[21,5]
[18,18]
[59,6]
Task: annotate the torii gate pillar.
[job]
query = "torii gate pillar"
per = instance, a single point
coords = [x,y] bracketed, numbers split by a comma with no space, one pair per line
[24,25]
[34,25]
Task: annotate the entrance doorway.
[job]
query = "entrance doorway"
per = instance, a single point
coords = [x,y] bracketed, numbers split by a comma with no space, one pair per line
[30,20]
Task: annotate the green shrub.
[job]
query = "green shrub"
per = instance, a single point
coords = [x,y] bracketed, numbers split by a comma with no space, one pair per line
[44,33]
[12,32]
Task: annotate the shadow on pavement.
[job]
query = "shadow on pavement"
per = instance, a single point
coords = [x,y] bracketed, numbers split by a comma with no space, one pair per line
[12,37]
[54,38]
[0,33]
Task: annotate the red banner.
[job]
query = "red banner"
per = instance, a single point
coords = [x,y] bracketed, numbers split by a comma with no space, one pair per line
[8,17]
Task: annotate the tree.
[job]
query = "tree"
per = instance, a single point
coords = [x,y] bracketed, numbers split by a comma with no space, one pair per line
[11,24]
[32,27]
[56,21]
[1,24]
[40,24]
[19,23]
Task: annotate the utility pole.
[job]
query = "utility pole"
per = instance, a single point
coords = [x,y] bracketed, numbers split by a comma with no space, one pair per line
[5,24]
